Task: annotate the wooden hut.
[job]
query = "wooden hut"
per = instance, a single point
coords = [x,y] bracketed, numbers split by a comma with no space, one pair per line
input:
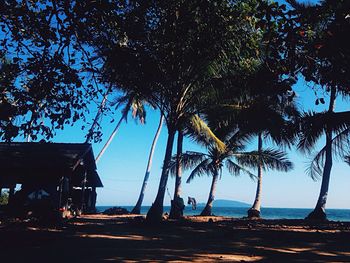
[61,175]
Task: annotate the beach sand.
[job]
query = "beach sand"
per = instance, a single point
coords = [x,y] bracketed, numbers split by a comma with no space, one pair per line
[96,238]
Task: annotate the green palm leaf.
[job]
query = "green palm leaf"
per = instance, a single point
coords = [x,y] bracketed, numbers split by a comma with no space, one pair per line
[235,169]
[340,145]
[201,169]
[314,125]
[199,131]
[269,159]
[188,161]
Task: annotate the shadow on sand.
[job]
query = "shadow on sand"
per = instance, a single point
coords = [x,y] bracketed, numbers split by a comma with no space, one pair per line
[94,239]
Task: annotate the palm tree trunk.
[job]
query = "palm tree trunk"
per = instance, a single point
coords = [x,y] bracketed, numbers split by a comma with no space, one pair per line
[137,208]
[155,213]
[98,114]
[319,212]
[111,137]
[254,211]
[177,204]
[207,211]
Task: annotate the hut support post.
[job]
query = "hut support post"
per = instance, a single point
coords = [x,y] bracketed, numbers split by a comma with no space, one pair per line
[11,193]
[83,193]
[60,188]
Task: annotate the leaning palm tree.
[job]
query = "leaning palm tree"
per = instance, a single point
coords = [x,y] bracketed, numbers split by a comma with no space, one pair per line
[233,157]
[132,101]
[137,207]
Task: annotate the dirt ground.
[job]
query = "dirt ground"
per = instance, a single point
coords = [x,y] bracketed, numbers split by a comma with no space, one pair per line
[95,238]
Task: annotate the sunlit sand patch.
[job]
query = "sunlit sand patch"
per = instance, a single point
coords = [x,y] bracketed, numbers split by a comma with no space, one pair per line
[223,257]
[195,257]
[102,216]
[87,223]
[301,249]
[207,218]
[282,250]
[324,253]
[127,237]
[41,229]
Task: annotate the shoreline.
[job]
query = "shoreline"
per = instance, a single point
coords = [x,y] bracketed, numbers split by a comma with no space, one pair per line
[128,238]
[342,215]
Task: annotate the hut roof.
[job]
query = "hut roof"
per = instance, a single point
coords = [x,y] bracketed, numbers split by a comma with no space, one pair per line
[23,162]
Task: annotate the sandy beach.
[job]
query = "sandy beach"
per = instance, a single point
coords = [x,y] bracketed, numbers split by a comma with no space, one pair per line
[94,238]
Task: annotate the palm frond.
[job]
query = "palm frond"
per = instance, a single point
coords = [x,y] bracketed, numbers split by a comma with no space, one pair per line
[340,146]
[236,169]
[276,160]
[188,161]
[117,102]
[314,125]
[315,169]
[200,170]
[138,111]
[199,131]
[268,158]
[237,140]
[347,159]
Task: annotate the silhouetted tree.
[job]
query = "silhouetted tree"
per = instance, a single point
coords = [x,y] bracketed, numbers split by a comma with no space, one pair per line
[42,84]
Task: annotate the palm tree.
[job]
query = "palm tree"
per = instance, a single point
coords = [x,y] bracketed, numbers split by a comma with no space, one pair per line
[336,128]
[325,61]
[134,102]
[255,210]
[271,117]
[192,124]
[233,157]
[177,204]
[265,108]
[309,135]
[137,207]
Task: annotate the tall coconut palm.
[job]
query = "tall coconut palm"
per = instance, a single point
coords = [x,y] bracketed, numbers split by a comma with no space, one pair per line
[271,117]
[137,207]
[265,108]
[325,61]
[309,136]
[177,204]
[336,128]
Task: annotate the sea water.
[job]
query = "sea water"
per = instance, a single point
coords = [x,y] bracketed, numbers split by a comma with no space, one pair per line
[266,212]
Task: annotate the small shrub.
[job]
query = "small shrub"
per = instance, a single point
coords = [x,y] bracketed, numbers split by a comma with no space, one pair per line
[4,198]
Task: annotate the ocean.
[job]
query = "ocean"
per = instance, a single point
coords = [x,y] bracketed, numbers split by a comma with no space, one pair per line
[266,212]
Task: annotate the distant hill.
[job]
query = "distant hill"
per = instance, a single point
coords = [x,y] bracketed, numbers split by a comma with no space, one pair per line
[227,203]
